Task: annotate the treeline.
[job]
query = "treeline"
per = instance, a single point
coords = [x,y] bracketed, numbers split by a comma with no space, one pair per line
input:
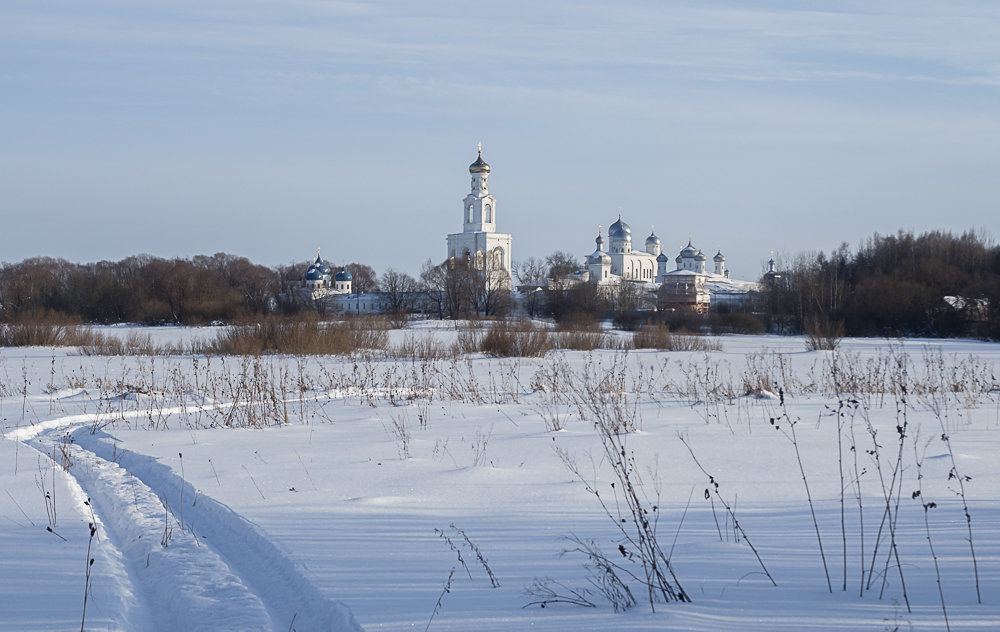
[147,289]
[141,288]
[933,284]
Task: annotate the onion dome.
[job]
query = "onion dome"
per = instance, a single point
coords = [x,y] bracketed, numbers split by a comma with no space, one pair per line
[652,240]
[719,257]
[688,250]
[679,259]
[700,256]
[480,165]
[317,270]
[619,230]
[343,275]
[599,256]
[662,257]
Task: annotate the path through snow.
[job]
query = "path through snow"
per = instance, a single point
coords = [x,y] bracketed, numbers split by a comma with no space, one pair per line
[184,561]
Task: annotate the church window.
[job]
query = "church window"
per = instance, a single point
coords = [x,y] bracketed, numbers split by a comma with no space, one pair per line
[489,212]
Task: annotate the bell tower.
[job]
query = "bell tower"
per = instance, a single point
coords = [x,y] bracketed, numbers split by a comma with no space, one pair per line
[480,206]
[479,243]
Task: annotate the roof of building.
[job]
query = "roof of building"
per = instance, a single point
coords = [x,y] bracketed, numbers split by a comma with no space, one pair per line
[620,230]
[480,165]
[318,270]
[683,273]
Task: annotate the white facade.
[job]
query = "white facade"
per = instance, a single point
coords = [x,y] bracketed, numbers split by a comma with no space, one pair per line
[479,243]
[690,281]
[320,282]
[620,262]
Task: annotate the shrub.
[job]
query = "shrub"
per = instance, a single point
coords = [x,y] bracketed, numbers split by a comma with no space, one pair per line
[45,335]
[736,323]
[134,344]
[578,321]
[581,340]
[522,338]
[823,334]
[423,347]
[660,337]
[302,337]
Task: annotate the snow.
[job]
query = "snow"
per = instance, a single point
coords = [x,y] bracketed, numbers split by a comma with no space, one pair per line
[355,484]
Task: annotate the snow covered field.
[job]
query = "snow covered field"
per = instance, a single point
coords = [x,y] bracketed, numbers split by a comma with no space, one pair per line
[365,493]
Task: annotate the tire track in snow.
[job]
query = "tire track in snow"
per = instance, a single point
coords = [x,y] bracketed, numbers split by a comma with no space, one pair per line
[181,586]
[113,593]
[219,573]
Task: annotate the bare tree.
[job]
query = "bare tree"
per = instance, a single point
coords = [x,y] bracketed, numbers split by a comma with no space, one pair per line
[494,296]
[399,293]
[364,279]
[561,264]
[434,283]
[531,271]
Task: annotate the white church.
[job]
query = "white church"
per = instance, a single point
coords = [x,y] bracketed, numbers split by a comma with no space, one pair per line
[479,243]
[688,285]
[321,282]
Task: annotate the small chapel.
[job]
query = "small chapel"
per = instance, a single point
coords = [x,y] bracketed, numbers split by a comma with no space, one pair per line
[320,281]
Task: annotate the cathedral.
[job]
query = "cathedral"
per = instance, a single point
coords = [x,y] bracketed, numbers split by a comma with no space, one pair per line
[689,285]
[479,244]
[621,263]
[321,282]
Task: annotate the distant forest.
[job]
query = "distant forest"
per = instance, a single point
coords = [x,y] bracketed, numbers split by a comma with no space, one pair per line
[933,284]
[147,289]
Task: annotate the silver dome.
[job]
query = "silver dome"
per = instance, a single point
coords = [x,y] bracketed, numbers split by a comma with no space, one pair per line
[480,165]
[619,230]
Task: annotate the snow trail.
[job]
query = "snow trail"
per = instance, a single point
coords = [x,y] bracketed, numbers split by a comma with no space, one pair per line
[216,571]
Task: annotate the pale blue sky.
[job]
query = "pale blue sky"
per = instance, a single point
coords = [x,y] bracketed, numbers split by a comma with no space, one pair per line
[266,129]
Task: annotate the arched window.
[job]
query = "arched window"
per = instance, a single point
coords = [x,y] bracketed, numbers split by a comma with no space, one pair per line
[489,212]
